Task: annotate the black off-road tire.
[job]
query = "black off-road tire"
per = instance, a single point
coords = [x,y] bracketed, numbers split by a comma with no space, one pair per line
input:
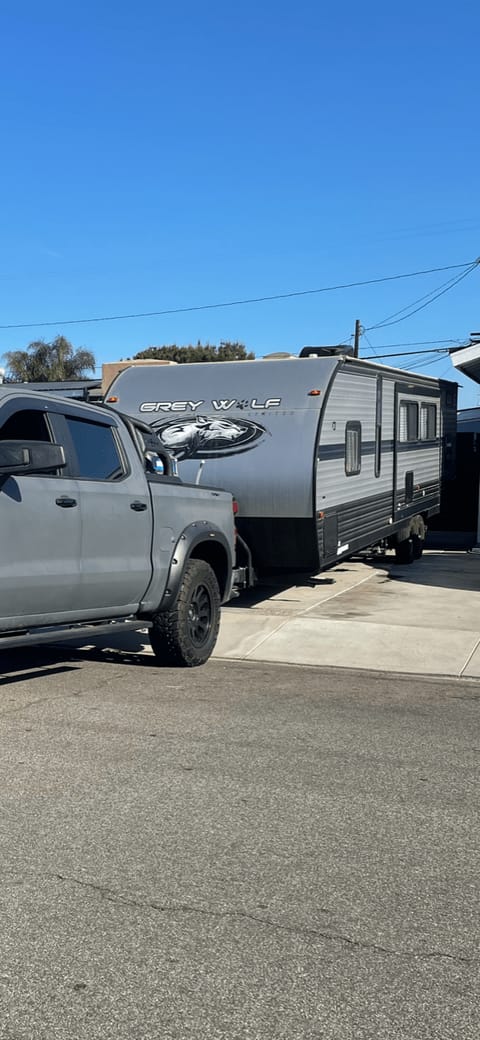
[186,635]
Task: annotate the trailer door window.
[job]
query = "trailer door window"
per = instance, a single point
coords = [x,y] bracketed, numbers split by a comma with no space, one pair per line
[428,422]
[353,448]
[408,426]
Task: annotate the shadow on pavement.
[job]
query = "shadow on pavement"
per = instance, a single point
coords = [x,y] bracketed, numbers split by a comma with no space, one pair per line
[454,570]
[448,570]
[60,658]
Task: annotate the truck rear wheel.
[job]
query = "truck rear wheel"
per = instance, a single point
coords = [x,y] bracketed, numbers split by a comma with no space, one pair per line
[186,635]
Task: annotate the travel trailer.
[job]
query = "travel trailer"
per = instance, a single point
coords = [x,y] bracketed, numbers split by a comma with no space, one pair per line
[324,453]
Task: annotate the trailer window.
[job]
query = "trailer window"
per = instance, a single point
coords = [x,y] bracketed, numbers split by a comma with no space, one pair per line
[408,430]
[353,448]
[428,422]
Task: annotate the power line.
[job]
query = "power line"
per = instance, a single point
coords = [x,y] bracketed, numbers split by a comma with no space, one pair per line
[239,303]
[402,310]
[370,344]
[416,366]
[442,290]
[411,353]
[417,343]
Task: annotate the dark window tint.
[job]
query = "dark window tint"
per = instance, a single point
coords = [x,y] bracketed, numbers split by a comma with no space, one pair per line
[353,448]
[28,425]
[408,421]
[97,452]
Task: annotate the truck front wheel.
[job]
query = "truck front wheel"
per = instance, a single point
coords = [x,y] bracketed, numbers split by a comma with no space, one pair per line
[186,635]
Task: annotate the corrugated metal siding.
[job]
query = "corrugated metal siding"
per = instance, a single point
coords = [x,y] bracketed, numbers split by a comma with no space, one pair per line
[364,503]
[364,519]
[424,460]
[353,397]
[425,463]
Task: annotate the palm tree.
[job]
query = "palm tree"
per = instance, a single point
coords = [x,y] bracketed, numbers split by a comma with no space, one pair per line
[43,362]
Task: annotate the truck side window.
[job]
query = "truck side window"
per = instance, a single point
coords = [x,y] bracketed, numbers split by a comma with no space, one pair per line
[29,425]
[353,448]
[96,449]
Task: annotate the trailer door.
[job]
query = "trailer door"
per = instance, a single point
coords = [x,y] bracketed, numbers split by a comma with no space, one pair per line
[417,439]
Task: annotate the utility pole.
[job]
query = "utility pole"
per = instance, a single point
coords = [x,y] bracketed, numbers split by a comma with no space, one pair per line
[356,339]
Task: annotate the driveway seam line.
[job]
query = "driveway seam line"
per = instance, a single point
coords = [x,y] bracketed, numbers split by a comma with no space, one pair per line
[341,592]
[267,636]
[469,658]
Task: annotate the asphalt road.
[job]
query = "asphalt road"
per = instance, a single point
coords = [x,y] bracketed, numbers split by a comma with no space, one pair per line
[239,851]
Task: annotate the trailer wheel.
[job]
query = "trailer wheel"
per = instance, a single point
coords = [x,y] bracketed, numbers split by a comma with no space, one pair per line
[418,546]
[404,551]
[186,635]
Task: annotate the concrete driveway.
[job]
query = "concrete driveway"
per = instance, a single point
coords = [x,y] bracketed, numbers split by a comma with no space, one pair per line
[367,613]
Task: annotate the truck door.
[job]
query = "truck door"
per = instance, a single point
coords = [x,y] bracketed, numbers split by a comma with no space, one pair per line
[116,517]
[40,525]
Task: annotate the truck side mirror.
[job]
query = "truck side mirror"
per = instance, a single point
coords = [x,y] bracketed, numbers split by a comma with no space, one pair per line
[161,463]
[153,463]
[18,457]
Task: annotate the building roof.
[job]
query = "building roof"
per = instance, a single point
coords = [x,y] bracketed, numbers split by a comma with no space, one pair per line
[467,360]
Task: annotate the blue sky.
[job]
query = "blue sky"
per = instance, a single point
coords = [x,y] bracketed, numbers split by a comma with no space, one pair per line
[158,157]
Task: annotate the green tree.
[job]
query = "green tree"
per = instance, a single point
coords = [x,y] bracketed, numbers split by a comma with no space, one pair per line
[43,362]
[226,351]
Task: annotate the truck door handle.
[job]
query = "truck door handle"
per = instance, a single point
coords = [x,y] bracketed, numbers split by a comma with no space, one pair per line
[138,506]
[65,502]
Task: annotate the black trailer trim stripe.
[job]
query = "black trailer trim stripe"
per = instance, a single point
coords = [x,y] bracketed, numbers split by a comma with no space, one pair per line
[406,446]
[329,452]
[362,523]
[423,496]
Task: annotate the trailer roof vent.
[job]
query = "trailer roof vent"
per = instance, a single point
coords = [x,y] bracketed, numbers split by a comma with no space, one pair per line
[341,348]
[279,356]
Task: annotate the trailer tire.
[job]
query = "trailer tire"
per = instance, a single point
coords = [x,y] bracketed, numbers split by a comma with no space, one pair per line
[418,546]
[404,551]
[186,635]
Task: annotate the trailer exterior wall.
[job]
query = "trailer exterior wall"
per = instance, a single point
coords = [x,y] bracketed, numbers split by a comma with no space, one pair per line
[274,435]
[272,475]
[395,480]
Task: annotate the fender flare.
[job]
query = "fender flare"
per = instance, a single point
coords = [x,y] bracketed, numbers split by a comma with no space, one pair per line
[198,532]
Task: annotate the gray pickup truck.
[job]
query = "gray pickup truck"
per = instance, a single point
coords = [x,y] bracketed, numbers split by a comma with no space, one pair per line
[99,534]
